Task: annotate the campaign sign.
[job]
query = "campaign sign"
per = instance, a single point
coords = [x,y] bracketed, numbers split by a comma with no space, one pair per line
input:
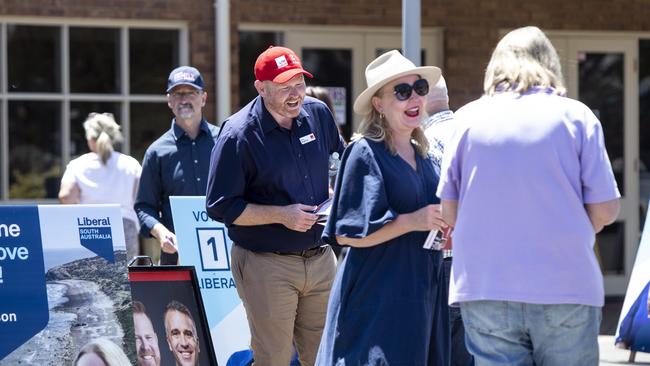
[23,309]
[166,301]
[633,331]
[63,283]
[204,243]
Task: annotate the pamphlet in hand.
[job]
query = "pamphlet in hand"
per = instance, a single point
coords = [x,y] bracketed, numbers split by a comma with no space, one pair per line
[323,210]
[435,240]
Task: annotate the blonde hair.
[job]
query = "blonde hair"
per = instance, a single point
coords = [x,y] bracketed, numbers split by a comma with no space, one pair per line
[524,58]
[105,131]
[375,127]
[109,352]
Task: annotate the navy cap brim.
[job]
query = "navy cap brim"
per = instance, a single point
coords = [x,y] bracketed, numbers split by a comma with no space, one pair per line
[184,83]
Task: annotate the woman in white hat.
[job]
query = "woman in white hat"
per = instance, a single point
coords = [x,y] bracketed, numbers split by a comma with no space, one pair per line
[388,302]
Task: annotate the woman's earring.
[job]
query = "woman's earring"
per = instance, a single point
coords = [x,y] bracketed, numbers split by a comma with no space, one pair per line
[381,116]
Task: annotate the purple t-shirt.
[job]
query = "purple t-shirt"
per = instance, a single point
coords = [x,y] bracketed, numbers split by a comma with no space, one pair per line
[522,168]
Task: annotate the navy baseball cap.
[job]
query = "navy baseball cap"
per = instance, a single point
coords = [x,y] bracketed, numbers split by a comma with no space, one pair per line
[185,75]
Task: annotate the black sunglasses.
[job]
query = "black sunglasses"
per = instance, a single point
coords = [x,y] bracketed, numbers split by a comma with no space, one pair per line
[403,91]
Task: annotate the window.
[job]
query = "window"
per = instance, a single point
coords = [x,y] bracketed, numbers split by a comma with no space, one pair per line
[34,58]
[251,44]
[57,74]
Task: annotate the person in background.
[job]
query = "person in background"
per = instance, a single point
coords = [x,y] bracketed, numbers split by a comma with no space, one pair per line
[104,175]
[101,352]
[323,95]
[177,163]
[438,129]
[388,302]
[275,152]
[146,339]
[526,183]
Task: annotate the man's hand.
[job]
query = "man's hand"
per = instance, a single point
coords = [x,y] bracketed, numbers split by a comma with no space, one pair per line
[299,217]
[166,238]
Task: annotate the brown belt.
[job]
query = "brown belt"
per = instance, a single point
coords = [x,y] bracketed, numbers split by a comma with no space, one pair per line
[307,253]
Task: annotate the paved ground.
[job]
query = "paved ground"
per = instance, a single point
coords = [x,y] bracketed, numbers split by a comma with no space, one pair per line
[610,355]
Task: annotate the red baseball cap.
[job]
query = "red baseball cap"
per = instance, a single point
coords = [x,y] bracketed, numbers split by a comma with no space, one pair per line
[278,64]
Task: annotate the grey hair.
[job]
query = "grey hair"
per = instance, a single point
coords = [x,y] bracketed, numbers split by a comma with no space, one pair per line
[438,92]
[102,128]
[524,58]
[175,305]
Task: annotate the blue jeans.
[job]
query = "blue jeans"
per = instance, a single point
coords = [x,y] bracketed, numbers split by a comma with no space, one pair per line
[514,333]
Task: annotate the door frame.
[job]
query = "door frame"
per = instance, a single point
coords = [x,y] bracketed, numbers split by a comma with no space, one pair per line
[569,44]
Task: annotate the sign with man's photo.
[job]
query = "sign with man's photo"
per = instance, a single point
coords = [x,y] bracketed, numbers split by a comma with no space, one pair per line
[169,321]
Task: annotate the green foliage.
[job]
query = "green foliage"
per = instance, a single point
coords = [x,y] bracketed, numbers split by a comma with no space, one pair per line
[32,184]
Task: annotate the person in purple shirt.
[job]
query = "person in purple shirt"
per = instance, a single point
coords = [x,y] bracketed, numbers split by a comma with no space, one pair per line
[526,183]
[268,172]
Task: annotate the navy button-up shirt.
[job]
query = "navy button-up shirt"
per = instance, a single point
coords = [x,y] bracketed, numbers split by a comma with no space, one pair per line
[174,165]
[255,160]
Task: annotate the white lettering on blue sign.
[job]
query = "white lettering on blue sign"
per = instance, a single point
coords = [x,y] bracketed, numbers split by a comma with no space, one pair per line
[13,253]
[7,230]
[8,318]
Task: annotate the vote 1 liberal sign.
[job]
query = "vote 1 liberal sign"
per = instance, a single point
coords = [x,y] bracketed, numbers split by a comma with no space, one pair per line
[204,243]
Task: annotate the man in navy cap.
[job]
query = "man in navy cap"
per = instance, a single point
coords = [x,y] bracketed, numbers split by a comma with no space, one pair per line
[177,163]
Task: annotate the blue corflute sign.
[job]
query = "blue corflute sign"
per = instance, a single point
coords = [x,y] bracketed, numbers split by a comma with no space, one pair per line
[23,296]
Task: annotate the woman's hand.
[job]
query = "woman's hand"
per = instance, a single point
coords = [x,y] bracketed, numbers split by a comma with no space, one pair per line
[425,219]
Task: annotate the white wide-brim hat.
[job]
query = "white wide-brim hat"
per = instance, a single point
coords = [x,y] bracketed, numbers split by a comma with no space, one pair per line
[386,68]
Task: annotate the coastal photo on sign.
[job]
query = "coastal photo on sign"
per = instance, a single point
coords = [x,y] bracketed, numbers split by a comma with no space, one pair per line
[86,281]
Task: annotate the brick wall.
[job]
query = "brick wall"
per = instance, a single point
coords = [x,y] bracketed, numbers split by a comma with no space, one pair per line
[471,27]
[198,14]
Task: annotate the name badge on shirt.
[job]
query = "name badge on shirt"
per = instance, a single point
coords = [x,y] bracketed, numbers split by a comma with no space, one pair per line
[307,138]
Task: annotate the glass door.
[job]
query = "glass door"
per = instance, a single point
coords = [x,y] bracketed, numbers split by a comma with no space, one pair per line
[338,57]
[336,60]
[601,73]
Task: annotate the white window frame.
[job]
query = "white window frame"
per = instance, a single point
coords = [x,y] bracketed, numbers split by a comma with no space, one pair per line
[64,96]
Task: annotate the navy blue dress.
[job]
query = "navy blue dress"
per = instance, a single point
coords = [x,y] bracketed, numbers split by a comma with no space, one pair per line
[388,302]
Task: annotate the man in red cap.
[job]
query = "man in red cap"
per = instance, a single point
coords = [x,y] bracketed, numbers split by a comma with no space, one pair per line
[268,173]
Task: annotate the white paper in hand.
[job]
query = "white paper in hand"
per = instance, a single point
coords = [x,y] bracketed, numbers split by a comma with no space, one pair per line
[323,210]
[435,240]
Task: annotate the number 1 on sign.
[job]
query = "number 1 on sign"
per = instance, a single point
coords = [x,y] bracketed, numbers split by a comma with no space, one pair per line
[213,249]
[212,242]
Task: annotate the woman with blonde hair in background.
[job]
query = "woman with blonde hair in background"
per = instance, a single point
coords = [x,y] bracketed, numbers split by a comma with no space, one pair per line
[101,352]
[104,175]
